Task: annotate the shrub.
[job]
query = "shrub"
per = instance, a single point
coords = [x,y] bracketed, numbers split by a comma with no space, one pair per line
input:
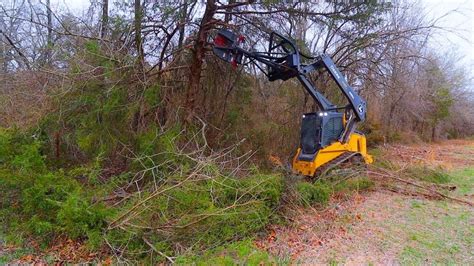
[5,139]
[317,193]
[44,195]
[39,202]
[201,214]
[354,184]
[238,253]
[53,204]
[211,209]
[78,218]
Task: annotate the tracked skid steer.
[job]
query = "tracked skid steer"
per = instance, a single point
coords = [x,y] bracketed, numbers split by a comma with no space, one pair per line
[328,137]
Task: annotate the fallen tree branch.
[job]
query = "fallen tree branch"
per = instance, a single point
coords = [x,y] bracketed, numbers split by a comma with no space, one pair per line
[115,223]
[471,204]
[157,251]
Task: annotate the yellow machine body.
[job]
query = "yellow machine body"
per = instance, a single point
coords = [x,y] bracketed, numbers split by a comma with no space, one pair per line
[356,143]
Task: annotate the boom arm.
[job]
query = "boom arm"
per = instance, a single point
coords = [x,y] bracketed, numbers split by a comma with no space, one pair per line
[286,64]
[356,103]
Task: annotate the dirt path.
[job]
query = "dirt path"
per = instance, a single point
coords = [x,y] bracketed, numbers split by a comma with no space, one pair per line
[385,228]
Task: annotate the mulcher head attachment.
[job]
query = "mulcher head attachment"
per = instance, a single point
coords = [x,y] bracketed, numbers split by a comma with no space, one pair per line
[225,47]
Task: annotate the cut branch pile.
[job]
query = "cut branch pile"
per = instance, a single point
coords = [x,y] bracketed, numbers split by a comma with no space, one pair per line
[200,200]
[428,190]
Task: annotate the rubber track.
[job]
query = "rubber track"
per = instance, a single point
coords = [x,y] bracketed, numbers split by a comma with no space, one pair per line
[334,162]
[325,167]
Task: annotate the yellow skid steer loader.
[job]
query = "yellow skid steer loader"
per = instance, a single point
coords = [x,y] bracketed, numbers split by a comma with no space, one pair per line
[328,137]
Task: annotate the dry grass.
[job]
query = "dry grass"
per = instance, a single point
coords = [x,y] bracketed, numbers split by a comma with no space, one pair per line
[449,154]
[311,229]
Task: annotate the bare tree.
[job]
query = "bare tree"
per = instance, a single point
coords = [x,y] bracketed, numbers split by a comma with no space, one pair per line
[138,34]
[198,52]
[105,18]
[49,44]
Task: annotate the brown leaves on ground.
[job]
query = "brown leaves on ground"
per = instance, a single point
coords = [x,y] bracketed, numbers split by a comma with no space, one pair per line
[64,251]
[275,161]
[312,229]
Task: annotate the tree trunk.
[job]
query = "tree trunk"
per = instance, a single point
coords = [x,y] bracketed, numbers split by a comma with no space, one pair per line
[50,32]
[199,50]
[138,35]
[3,52]
[3,57]
[182,23]
[105,18]
[228,17]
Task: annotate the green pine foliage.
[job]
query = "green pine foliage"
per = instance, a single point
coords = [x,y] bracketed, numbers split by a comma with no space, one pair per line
[319,192]
[239,253]
[200,214]
[310,194]
[40,203]
[356,184]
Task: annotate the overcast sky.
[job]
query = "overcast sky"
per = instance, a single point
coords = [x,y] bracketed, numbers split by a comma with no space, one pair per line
[457,19]
[456,16]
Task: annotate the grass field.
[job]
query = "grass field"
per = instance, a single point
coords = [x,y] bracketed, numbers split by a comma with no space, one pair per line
[441,232]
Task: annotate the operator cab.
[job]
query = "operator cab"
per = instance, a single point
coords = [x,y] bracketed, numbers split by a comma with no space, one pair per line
[319,130]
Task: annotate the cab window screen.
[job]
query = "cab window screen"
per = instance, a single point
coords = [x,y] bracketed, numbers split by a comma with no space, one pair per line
[310,133]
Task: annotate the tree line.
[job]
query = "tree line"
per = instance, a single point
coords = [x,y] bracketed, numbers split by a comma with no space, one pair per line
[412,91]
